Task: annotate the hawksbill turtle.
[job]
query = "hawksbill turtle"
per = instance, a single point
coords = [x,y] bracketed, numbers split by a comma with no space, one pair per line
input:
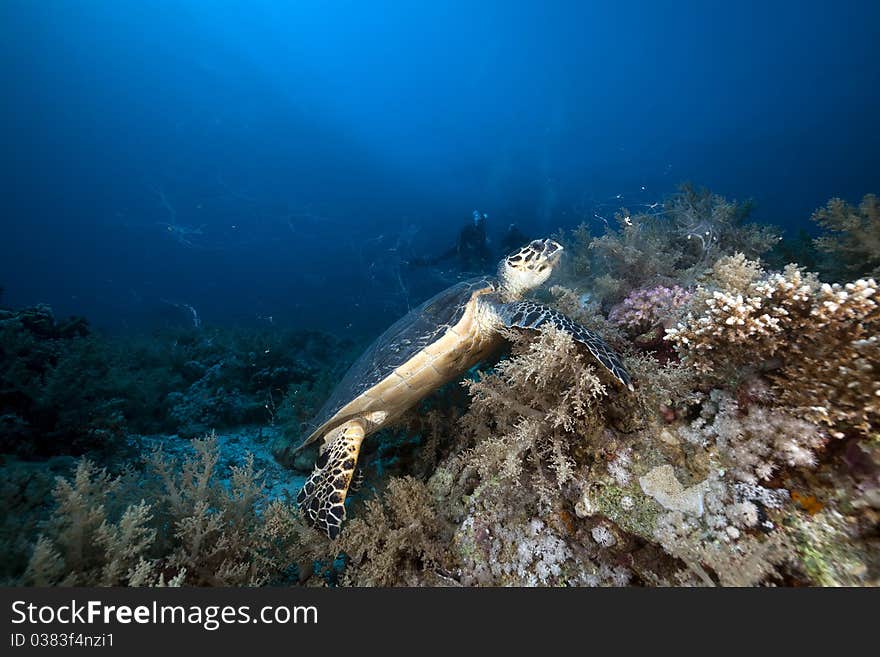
[430,346]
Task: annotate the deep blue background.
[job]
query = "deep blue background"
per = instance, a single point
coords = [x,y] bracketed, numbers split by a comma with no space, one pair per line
[316,143]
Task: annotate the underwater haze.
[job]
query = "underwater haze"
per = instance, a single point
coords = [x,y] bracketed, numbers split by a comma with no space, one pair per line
[286,160]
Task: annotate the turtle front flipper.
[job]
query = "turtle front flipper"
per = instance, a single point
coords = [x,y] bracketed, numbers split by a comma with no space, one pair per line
[322,498]
[531,315]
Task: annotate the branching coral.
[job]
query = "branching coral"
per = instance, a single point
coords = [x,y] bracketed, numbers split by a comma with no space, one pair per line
[540,488]
[517,455]
[518,551]
[639,252]
[540,471]
[713,226]
[83,545]
[399,540]
[854,235]
[194,531]
[818,342]
[693,231]
[547,391]
[735,273]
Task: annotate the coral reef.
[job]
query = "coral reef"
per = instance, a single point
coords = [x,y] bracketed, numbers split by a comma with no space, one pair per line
[675,246]
[25,497]
[753,443]
[852,237]
[642,310]
[64,389]
[399,540]
[196,530]
[502,490]
[817,343]
[747,454]
[53,387]
[725,467]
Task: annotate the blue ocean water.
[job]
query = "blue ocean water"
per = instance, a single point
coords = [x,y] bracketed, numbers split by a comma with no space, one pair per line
[273,163]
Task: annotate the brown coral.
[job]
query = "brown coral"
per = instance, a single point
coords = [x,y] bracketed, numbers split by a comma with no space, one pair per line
[694,230]
[547,392]
[854,235]
[196,532]
[817,341]
[399,540]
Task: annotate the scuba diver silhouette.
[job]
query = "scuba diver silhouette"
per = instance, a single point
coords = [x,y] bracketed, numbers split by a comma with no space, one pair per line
[471,248]
[513,239]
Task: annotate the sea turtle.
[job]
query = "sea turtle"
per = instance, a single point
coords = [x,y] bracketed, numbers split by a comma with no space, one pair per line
[432,345]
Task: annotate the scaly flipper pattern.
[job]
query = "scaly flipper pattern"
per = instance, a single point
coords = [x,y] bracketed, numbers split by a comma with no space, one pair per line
[322,498]
[531,315]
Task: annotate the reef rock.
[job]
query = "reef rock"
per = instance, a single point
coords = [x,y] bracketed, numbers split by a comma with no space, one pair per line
[661,484]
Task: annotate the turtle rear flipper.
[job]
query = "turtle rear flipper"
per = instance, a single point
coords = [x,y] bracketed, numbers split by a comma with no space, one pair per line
[322,498]
[531,315]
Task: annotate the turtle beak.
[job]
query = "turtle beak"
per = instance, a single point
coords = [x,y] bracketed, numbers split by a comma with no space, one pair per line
[552,251]
[545,247]
[551,247]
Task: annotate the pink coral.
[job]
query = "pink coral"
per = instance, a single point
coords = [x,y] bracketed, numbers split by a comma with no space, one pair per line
[644,309]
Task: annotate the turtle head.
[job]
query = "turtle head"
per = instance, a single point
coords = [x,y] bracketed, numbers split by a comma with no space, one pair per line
[528,267]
